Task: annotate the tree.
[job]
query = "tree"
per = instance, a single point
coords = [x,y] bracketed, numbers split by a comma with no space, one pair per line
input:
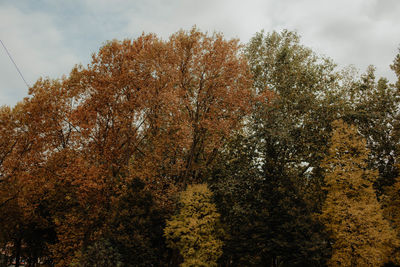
[267,180]
[100,254]
[396,68]
[391,204]
[391,197]
[27,227]
[195,231]
[91,164]
[351,212]
[268,222]
[309,94]
[135,227]
[292,128]
[373,106]
[147,109]
[166,105]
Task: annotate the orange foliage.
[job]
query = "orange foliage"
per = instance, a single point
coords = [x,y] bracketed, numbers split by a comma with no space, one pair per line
[145,108]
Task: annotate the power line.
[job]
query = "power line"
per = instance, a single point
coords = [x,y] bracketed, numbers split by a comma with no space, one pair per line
[9,55]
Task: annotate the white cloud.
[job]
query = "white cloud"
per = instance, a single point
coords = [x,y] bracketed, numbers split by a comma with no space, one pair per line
[37,48]
[48,38]
[351,32]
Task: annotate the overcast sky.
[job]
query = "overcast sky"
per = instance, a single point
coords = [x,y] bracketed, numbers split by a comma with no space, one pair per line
[48,37]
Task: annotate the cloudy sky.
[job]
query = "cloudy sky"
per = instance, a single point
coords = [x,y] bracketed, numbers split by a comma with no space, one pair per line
[48,37]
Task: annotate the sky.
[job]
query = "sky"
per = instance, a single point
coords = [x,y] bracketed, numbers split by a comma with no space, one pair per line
[46,38]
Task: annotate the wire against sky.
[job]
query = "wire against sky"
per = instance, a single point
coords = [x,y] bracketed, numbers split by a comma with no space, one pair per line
[9,55]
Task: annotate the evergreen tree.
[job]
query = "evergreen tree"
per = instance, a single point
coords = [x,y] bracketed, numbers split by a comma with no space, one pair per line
[195,231]
[351,212]
[100,254]
[267,219]
[135,227]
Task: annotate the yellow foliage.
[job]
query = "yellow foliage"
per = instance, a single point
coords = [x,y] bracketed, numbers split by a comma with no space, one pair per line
[351,211]
[196,229]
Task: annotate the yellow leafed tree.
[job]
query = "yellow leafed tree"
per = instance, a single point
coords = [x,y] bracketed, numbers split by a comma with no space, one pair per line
[196,229]
[351,212]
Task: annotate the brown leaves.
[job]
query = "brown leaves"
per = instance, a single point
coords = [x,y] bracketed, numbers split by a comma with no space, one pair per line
[145,108]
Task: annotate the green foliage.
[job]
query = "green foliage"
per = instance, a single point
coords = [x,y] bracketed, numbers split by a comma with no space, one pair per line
[373,106]
[391,205]
[271,197]
[310,94]
[135,227]
[351,212]
[396,68]
[100,254]
[132,233]
[267,218]
[27,236]
[195,231]
[292,128]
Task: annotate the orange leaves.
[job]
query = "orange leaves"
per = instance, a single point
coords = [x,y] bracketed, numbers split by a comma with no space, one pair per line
[145,108]
[213,82]
[169,103]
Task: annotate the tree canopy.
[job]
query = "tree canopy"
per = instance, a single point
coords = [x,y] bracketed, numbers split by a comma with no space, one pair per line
[202,151]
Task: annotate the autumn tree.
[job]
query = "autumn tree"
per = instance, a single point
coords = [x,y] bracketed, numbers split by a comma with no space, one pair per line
[391,203]
[147,109]
[351,212]
[167,105]
[214,82]
[91,164]
[196,231]
[27,227]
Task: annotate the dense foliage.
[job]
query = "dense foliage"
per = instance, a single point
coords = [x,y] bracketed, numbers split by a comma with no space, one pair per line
[351,212]
[200,151]
[196,230]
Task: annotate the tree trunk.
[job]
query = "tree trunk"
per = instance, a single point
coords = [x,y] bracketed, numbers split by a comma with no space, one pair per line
[17,252]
